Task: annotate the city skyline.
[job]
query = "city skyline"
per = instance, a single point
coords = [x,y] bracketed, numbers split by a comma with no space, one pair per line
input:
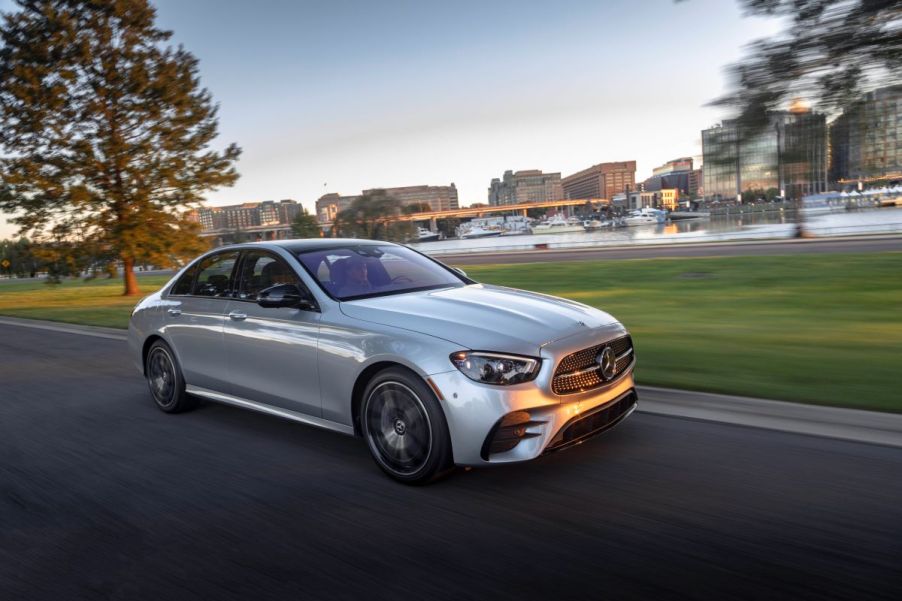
[344,98]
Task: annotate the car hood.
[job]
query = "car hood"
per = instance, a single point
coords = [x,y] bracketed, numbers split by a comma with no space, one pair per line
[482,317]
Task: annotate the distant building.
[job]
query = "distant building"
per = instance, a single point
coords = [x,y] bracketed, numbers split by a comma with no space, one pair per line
[672,174]
[669,198]
[789,154]
[635,199]
[330,205]
[696,183]
[247,215]
[866,140]
[439,198]
[525,186]
[288,210]
[601,181]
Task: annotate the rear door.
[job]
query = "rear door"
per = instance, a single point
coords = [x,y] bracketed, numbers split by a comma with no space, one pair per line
[194,314]
[272,351]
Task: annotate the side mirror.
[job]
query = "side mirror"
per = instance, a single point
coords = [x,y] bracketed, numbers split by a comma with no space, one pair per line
[285,295]
[460,271]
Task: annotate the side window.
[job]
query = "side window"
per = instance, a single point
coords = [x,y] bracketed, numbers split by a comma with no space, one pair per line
[214,275]
[183,285]
[260,271]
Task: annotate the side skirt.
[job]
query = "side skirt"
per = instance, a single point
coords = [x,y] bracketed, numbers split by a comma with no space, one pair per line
[228,399]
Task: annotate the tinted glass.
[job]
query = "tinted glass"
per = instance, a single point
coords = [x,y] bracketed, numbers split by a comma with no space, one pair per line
[214,277]
[183,285]
[364,271]
[260,271]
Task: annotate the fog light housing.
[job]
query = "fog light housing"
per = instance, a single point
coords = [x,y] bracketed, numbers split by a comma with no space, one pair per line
[508,432]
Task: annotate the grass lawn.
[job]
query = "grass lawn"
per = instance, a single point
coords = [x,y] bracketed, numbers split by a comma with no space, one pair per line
[821,329]
[96,302]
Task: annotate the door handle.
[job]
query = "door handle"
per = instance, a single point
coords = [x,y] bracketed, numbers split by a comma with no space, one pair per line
[237,316]
[175,312]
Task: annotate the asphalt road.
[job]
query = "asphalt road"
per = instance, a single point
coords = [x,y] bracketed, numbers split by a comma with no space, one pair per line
[724,249]
[104,497]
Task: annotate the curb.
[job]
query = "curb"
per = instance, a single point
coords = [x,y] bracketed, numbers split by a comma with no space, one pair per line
[69,328]
[855,425]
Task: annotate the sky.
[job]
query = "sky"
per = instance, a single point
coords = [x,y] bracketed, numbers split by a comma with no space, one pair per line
[340,96]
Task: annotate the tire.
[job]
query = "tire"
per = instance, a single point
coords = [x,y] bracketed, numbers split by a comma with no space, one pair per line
[165,380]
[405,428]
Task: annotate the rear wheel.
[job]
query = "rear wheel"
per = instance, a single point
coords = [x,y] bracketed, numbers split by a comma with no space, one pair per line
[164,378]
[405,428]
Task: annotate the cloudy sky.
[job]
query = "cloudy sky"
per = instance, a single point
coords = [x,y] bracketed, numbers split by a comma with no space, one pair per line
[339,95]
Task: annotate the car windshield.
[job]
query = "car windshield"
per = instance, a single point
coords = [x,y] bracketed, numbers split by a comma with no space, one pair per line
[364,271]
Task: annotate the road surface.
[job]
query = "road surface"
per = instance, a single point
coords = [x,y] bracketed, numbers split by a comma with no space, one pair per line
[104,497]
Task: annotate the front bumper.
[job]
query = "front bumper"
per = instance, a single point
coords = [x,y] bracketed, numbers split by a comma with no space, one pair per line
[474,410]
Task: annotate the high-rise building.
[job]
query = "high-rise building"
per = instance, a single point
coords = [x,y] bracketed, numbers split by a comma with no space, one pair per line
[866,140]
[601,181]
[788,154]
[529,185]
[439,198]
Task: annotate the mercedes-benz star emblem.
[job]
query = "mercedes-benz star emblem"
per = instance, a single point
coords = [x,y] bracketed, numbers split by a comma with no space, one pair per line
[607,363]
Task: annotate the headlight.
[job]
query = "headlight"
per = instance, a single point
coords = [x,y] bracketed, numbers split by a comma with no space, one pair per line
[493,368]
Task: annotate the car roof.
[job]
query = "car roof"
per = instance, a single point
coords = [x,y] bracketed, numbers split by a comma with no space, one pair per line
[309,244]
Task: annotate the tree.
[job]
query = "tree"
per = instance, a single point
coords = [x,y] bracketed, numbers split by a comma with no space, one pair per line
[104,129]
[305,225]
[17,258]
[831,50]
[417,207]
[371,216]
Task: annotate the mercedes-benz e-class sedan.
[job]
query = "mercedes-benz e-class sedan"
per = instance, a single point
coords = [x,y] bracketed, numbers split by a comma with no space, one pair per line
[376,340]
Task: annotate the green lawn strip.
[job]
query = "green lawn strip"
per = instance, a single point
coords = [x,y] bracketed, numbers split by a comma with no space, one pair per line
[823,329]
[96,302]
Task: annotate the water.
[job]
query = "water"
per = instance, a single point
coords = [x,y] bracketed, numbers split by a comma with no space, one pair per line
[752,226]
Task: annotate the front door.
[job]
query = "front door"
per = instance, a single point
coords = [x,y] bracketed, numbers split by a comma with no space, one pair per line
[272,351]
[194,312]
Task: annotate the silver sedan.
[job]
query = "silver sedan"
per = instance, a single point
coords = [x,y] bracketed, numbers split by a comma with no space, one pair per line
[373,339]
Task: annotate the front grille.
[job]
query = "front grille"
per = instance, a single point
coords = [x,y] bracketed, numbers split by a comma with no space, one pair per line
[579,371]
[594,423]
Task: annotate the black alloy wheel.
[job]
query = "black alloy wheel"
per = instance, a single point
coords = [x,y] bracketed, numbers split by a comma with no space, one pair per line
[405,428]
[164,378]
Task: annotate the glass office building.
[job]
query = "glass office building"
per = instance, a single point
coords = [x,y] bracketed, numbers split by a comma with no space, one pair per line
[788,155]
[866,140]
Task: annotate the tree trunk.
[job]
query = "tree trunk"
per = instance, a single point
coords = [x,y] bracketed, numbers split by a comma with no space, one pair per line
[128,275]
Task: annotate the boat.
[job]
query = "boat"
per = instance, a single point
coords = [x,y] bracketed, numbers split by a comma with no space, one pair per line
[645,216]
[590,225]
[558,225]
[478,231]
[424,235]
[515,225]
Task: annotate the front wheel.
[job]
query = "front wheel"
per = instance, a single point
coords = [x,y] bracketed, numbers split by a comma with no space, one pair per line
[405,428]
